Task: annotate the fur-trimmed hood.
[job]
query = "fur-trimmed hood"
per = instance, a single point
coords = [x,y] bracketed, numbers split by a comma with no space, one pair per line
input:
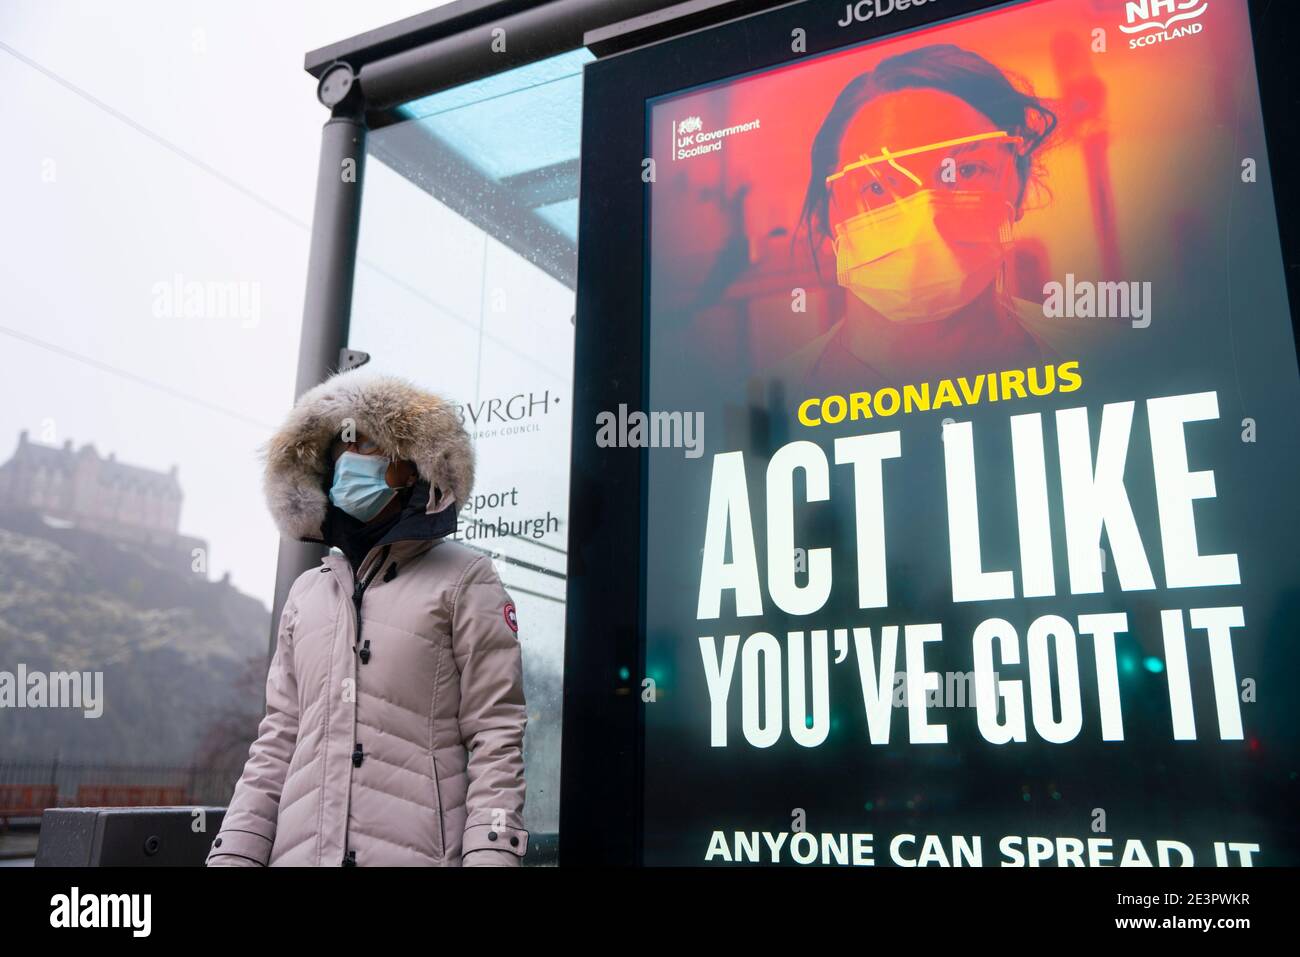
[404,421]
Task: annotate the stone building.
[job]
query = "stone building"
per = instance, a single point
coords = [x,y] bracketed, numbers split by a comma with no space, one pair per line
[103,495]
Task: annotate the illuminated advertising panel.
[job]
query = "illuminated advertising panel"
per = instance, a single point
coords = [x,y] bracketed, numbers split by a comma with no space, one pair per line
[970,494]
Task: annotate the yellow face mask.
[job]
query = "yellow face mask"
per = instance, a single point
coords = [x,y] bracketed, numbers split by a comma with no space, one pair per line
[925,256]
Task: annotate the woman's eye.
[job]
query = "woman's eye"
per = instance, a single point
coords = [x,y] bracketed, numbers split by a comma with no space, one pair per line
[971,170]
[875,189]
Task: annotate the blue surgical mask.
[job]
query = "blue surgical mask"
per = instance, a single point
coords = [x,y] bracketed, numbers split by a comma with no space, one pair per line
[360,487]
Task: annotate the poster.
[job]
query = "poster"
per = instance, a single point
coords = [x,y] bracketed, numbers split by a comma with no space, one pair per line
[971,516]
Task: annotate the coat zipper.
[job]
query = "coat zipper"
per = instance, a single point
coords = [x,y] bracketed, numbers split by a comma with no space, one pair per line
[359,587]
[359,592]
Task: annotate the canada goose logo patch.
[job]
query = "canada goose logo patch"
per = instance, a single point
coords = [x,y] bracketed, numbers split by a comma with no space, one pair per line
[511,618]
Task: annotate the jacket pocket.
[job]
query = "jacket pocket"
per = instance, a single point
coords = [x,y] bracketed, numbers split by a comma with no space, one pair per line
[440,830]
[441,827]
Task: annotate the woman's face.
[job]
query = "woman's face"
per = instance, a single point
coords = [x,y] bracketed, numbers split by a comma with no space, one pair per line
[912,119]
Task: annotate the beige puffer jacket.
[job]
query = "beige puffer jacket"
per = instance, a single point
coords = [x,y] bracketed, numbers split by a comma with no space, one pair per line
[394,702]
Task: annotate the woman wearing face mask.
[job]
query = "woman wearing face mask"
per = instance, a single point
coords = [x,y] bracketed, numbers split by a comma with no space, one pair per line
[919,173]
[394,702]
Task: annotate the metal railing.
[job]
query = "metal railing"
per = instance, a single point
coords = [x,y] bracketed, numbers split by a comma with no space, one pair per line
[28,787]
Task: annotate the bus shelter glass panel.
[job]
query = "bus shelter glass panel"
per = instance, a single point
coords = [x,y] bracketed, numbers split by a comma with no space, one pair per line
[465,285]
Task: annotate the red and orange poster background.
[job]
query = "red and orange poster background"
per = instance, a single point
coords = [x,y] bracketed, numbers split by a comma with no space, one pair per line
[1132,181]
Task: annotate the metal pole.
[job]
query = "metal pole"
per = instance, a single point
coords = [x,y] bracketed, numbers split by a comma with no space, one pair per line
[332,261]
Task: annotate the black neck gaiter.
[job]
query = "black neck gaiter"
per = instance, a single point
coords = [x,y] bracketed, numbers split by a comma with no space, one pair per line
[353,537]
[410,522]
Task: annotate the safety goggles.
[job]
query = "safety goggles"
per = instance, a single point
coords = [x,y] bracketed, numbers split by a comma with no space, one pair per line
[983,161]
